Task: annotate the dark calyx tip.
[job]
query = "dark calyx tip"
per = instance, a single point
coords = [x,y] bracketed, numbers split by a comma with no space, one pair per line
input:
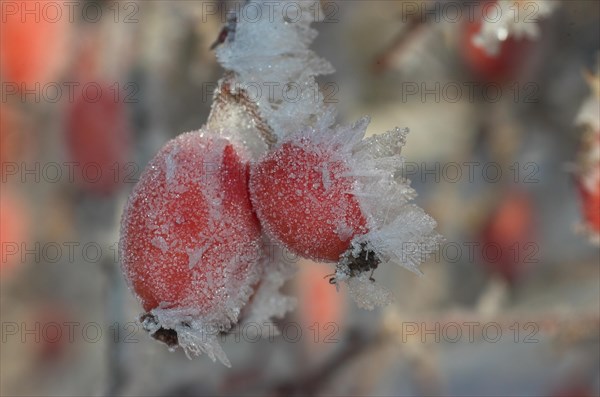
[366,261]
[165,335]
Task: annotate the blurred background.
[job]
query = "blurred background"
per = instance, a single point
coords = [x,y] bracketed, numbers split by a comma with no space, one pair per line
[501,151]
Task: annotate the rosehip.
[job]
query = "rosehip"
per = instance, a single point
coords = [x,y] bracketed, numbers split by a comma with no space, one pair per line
[328,195]
[32,48]
[318,305]
[503,66]
[507,237]
[590,199]
[588,160]
[15,227]
[98,137]
[302,193]
[190,240]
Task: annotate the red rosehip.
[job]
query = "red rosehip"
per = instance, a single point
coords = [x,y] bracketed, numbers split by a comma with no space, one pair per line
[590,200]
[32,44]
[319,305]
[98,138]
[15,227]
[588,183]
[302,194]
[508,237]
[189,238]
[502,67]
[327,194]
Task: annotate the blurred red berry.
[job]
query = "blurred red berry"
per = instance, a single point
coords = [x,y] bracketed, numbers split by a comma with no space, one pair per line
[9,121]
[303,197]
[590,200]
[507,237]
[588,182]
[54,336]
[320,307]
[189,237]
[33,41]
[574,391]
[15,223]
[502,67]
[98,138]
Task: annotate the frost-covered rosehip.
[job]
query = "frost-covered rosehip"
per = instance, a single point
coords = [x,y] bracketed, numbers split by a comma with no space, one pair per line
[588,162]
[590,199]
[303,193]
[329,195]
[190,242]
[588,184]
[499,47]
[502,66]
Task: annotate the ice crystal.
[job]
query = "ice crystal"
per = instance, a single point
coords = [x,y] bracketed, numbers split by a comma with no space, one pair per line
[272,64]
[399,232]
[509,18]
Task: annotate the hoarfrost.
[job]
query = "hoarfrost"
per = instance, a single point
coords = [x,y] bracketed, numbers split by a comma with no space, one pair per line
[270,55]
[193,252]
[160,243]
[518,19]
[399,232]
[368,294]
[273,53]
[268,302]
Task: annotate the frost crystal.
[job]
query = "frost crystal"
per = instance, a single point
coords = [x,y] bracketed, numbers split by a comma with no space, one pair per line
[273,66]
[268,302]
[399,232]
[269,62]
[510,18]
[367,294]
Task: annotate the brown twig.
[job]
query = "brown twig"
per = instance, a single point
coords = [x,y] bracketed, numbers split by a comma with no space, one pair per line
[309,385]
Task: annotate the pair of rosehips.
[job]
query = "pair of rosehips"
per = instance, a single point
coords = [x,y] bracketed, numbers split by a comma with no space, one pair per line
[199,208]
[191,237]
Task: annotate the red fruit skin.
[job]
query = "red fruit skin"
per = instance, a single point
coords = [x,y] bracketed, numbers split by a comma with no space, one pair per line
[9,136]
[98,139]
[510,230]
[33,50]
[190,207]
[590,206]
[321,308]
[588,182]
[15,228]
[294,205]
[500,68]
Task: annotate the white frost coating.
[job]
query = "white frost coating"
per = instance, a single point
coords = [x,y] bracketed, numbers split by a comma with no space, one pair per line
[194,256]
[160,243]
[510,18]
[196,335]
[271,56]
[268,302]
[399,232]
[366,293]
[208,235]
